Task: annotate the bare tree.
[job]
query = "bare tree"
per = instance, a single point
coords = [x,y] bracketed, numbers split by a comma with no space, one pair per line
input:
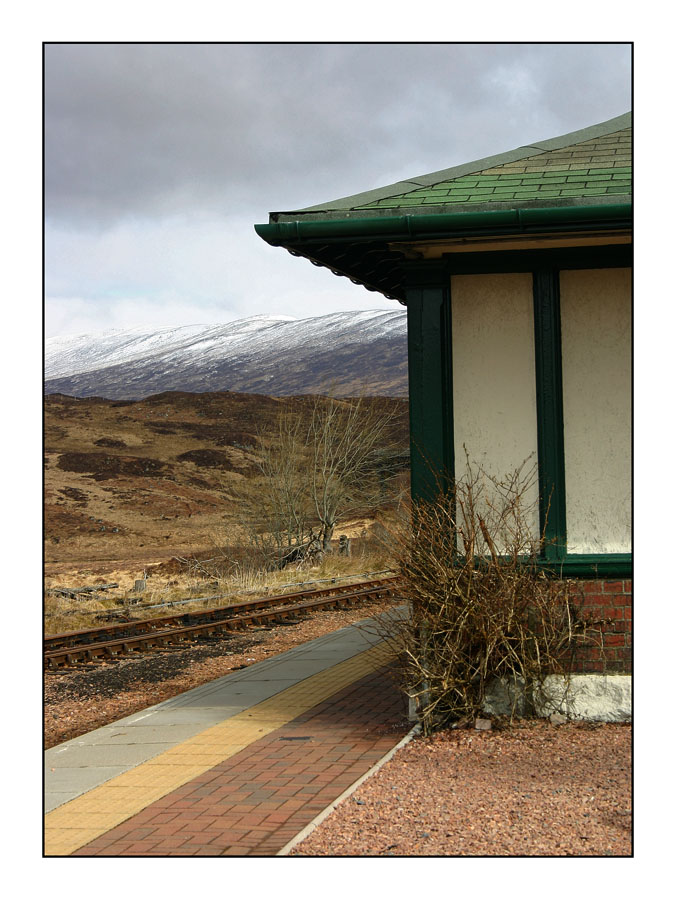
[274,506]
[325,460]
[345,439]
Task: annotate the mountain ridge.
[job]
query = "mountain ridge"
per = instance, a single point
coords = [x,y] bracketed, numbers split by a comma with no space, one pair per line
[345,353]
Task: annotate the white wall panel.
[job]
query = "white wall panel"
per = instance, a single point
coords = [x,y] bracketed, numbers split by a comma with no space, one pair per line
[596,354]
[494,375]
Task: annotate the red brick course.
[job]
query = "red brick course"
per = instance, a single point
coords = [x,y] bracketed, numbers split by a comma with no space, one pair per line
[258,800]
[608,603]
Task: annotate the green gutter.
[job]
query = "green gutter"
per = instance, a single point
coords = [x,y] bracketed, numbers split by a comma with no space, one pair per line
[407,227]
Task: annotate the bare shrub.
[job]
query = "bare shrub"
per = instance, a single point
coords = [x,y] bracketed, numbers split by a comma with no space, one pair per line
[481,611]
[324,461]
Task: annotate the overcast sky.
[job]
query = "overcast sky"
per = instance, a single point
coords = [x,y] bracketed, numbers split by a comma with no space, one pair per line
[160,158]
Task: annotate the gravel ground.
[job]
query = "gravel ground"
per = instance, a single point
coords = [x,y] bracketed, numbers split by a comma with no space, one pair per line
[535,789]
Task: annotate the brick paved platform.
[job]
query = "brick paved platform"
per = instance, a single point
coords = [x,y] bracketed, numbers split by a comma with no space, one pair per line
[250,783]
[258,800]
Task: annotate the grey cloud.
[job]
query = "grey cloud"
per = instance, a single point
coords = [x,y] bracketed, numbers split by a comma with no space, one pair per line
[138,130]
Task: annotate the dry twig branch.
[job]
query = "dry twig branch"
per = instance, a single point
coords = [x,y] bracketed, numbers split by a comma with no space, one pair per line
[480,609]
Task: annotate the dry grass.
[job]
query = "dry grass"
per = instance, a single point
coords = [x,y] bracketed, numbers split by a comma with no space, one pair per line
[196,577]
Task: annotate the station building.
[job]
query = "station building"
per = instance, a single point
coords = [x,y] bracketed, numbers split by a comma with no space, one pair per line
[516,271]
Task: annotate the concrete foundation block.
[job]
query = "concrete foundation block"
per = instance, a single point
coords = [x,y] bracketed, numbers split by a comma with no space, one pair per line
[592,698]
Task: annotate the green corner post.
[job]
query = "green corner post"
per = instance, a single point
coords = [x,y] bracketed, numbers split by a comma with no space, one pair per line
[430,379]
[549,394]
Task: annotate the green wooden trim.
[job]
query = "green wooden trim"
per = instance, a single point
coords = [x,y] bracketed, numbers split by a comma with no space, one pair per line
[478,263]
[430,381]
[591,565]
[576,565]
[549,403]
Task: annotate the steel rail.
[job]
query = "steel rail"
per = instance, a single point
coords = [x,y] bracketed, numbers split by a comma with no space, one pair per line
[142,626]
[167,630]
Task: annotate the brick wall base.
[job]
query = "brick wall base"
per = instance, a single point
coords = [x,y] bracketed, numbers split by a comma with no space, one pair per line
[611,602]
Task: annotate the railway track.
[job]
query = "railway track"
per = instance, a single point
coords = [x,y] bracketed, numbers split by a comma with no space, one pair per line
[93,645]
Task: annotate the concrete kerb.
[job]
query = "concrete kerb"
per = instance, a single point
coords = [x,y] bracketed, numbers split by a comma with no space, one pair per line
[286,849]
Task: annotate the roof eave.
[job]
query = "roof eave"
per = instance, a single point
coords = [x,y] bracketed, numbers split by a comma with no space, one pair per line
[285,229]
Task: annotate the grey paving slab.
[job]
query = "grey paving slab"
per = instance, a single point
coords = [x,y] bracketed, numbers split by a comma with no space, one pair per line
[331,654]
[293,669]
[220,693]
[66,779]
[95,756]
[241,696]
[158,732]
[195,718]
[52,799]
[105,733]
[65,784]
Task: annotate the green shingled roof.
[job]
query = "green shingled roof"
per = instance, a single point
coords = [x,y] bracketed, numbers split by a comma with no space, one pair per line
[578,182]
[584,167]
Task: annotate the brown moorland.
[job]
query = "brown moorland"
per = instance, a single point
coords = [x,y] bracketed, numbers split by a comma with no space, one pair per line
[131,484]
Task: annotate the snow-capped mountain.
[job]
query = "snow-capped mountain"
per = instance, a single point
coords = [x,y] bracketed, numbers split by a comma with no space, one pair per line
[278,355]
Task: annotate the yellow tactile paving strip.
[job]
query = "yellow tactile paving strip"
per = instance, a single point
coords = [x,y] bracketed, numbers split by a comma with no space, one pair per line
[79,821]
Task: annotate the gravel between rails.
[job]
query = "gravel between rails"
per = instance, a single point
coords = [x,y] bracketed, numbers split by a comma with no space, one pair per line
[534,789]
